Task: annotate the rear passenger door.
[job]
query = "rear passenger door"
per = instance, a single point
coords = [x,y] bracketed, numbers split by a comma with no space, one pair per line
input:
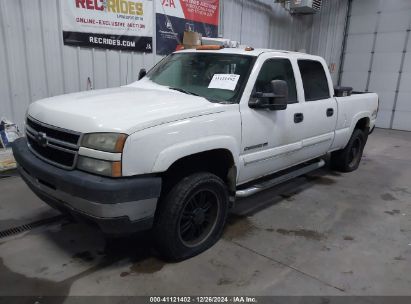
[319,109]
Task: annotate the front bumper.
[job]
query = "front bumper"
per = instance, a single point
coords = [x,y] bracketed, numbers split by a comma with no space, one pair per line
[117,205]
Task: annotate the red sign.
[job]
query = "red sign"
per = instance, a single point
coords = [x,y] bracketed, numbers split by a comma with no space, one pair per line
[204,11]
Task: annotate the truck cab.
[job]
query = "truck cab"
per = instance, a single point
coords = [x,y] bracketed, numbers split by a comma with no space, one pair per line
[171,152]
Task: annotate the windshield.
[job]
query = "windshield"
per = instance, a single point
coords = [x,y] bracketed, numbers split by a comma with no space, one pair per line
[217,77]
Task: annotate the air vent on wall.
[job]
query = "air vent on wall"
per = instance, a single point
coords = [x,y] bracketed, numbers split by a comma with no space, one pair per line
[301,6]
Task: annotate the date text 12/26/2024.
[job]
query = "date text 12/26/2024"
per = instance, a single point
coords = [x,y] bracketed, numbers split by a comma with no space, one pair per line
[237,299]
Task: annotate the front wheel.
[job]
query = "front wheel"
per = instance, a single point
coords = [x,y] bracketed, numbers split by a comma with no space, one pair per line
[191,217]
[348,159]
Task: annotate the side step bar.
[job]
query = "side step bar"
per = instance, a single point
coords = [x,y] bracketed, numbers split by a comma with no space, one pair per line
[279,179]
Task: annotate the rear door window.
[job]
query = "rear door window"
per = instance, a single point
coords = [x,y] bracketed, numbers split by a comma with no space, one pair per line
[314,80]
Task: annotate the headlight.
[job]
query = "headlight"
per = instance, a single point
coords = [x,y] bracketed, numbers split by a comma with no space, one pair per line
[108,142]
[100,167]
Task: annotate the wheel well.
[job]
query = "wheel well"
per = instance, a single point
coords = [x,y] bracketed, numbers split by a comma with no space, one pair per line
[363,124]
[219,162]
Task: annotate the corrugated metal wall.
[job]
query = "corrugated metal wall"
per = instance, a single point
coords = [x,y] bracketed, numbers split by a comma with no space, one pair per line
[327,34]
[264,24]
[261,23]
[35,64]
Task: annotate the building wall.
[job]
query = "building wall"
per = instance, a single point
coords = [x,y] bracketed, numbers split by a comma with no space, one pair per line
[261,23]
[35,64]
[378,57]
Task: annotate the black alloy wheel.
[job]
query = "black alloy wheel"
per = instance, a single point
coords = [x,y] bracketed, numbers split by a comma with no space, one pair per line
[199,217]
[190,217]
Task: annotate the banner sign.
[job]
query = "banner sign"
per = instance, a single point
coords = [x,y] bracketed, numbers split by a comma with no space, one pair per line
[173,17]
[109,24]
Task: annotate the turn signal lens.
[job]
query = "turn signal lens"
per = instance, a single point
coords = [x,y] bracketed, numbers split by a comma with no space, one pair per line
[116,169]
[121,140]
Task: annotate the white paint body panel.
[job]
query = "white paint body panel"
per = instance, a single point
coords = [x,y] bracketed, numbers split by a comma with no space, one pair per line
[124,110]
[154,150]
[165,125]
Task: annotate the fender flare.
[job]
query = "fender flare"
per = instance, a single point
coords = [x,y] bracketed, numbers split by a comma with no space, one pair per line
[173,153]
[357,118]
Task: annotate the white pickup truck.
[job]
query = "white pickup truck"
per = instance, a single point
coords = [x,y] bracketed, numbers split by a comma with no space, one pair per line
[171,152]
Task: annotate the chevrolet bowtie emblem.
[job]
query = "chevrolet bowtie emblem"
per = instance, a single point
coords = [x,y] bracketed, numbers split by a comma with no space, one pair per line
[41,139]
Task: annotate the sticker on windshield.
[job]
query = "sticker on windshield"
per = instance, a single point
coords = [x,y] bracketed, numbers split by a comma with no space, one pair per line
[224,81]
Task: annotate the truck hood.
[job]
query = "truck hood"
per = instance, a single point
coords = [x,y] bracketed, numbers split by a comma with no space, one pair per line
[125,110]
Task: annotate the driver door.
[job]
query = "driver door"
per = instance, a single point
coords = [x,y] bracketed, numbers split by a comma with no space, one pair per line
[270,138]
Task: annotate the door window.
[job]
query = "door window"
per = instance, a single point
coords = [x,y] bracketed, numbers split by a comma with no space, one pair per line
[314,80]
[277,69]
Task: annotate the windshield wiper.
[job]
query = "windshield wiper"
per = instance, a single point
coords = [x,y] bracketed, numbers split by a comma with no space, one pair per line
[184,91]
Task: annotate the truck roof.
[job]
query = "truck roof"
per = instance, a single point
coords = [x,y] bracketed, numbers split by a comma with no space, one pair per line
[243,51]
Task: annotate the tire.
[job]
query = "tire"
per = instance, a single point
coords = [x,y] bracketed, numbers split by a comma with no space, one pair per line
[348,159]
[191,217]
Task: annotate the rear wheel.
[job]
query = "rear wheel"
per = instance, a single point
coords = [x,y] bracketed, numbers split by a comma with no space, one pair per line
[348,159]
[191,218]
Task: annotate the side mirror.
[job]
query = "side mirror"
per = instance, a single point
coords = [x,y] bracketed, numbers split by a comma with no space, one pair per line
[142,74]
[275,101]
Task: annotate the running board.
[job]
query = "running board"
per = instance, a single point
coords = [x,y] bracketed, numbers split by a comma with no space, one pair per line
[279,179]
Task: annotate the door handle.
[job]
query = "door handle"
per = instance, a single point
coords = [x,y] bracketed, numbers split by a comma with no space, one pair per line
[330,112]
[298,117]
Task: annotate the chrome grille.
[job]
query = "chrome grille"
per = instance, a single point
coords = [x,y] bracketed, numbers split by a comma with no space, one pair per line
[52,144]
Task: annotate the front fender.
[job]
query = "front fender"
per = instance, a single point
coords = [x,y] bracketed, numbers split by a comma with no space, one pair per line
[154,150]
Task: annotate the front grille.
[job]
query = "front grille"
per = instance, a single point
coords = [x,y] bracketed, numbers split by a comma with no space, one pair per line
[53,155]
[54,132]
[54,145]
